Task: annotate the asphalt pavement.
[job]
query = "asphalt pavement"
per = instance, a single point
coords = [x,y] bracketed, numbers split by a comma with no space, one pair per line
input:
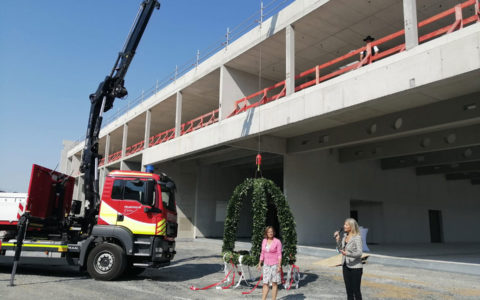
[199,264]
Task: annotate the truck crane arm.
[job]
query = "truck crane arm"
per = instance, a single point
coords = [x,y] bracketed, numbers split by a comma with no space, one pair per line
[110,88]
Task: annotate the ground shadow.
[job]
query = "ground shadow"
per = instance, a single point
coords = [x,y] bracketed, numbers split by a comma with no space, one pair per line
[307,278]
[293,297]
[182,272]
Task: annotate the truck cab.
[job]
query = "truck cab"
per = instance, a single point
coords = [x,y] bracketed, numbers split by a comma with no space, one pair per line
[138,214]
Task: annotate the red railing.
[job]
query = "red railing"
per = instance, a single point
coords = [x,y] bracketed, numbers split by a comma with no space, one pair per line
[112,157]
[162,137]
[200,122]
[347,62]
[244,103]
[134,148]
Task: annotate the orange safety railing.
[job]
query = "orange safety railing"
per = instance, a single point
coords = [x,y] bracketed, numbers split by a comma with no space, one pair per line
[244,103]
[345,64]
[113,157]
[162,137]
[200,122]
[134,148]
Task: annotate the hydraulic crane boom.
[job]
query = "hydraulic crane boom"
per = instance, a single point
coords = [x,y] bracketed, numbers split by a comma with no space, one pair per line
[101,101]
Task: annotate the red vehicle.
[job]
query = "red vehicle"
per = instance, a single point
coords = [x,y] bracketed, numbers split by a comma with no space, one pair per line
[136,225]
[134,222]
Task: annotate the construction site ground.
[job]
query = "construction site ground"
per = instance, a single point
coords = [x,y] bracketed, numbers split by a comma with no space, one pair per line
[199,263]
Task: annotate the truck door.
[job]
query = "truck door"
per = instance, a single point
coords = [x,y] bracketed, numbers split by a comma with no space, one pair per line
[170,208]
[132,202]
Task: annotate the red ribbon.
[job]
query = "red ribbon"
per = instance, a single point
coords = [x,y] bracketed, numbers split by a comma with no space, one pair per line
[193,288]
[246,293]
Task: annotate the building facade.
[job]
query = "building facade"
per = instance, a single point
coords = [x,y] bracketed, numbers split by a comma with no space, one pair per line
[390,137]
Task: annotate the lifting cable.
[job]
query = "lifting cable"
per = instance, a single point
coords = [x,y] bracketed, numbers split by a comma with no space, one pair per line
[258,159]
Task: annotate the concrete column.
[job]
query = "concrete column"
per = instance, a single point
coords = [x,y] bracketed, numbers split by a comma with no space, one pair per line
[148,121]
[197,188]
[290,60]
[69,165]
[75,164]
[178,115]
[107,148]
[220,93]
[410,21]
[101,178]
[124,139]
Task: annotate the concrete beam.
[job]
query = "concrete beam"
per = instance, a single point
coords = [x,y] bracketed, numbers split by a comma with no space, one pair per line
[446,113]
[227,157]
[148,123]
[448,168]
[290,60]
[267,160]
[422,143]
[432,158]
[266,143]
[410,23]
[178,115]
[462,176]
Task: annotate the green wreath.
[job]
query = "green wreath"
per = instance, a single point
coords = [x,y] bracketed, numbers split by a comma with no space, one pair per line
[262,192]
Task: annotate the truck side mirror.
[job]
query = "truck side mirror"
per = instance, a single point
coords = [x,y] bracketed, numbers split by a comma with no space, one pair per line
[150,193]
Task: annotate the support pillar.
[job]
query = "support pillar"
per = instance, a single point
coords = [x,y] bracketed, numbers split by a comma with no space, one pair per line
[178,115]
[107,149]
[221,97]
[290,60]
[197,191]
[148,121]
[411,24]
[124,139]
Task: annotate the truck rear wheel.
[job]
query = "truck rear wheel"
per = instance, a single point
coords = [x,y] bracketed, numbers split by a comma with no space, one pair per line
[106,262]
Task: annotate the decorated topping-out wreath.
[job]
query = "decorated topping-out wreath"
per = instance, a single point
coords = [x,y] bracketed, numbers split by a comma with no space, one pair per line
[263,193]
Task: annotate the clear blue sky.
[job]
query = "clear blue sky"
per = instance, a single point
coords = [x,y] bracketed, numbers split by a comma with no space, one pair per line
[55,53]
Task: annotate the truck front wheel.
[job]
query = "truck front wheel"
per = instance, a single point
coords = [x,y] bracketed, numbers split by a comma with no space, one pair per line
[106,261]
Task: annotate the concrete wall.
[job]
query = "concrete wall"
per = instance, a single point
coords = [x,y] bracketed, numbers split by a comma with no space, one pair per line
[236,84]
[215,189]
[395,202]
[185,177]
[130,166]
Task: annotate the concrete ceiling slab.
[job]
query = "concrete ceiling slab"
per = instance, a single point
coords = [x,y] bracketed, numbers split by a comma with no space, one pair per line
[163,116]
[116,137]
[201,97]
[136,129]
